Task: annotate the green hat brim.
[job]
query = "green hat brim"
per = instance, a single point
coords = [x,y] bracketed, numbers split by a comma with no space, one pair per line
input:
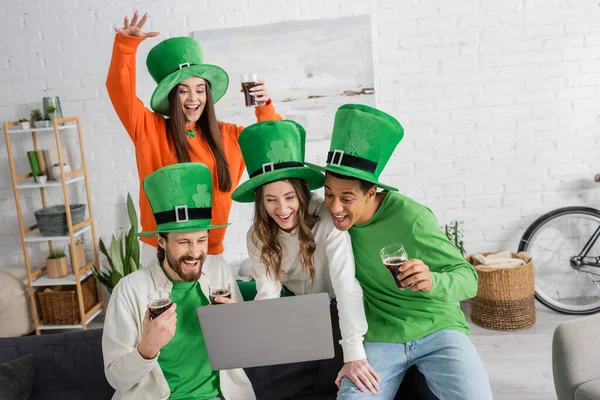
[186,229]
[352,173]
[245,192]
[216,76]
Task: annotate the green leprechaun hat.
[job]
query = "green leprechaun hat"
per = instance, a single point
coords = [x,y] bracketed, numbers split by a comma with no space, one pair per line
[274,150]
[181,198]
[362,143]
[176,59]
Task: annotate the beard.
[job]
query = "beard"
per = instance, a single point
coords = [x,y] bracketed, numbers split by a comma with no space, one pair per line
[188,276]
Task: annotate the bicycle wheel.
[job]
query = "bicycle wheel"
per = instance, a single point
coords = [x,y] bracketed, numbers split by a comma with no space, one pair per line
[551,241]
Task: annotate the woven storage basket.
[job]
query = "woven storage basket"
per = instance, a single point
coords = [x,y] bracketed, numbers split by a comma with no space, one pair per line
[60,307]
[505,297]
[52,221]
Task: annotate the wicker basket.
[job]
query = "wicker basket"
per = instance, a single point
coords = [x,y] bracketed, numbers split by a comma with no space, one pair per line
[52,221]
[505,298]
[60,307]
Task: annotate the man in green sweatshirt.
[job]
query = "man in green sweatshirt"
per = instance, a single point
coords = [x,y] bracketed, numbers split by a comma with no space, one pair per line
[419,323]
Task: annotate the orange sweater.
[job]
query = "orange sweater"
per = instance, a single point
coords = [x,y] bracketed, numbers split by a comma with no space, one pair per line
[153,150]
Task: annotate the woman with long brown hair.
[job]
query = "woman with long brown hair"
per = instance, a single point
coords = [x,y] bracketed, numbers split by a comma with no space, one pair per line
[182,126]
[292,240]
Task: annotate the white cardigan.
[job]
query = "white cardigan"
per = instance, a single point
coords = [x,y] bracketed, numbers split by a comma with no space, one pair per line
[134,377]
[333,261]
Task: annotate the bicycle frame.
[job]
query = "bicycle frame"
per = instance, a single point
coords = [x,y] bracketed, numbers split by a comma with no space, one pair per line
[579,261]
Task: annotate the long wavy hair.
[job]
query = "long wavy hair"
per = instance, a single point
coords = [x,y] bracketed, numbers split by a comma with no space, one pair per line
[208,125]
[267,230]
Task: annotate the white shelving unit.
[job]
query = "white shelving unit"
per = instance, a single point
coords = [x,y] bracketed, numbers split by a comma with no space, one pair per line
[37,278]
[30,183]
[36,236]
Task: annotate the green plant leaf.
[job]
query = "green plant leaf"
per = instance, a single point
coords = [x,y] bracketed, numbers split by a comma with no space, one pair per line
[123,254]
[278,152]
[103,279]
[115,278]
[105,252]
[133,266]
[129,239]
[135,253]
[115,254]
[133,219]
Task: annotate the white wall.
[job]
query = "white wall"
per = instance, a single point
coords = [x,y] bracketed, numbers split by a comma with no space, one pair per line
[498,100]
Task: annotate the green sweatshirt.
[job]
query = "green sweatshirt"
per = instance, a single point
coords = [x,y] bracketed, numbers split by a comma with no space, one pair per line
[184,360]
[401,316]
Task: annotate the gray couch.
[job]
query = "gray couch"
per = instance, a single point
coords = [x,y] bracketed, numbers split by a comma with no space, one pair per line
[65,366]
[69,366]
[576,359]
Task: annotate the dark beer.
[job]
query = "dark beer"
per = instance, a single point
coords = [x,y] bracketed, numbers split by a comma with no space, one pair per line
[393,265]
[219,293]
[158,307]
[250,100]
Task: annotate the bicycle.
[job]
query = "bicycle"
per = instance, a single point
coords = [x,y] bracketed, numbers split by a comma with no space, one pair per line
[566,258]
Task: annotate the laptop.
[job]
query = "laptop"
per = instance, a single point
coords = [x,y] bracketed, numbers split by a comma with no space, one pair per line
[267,332]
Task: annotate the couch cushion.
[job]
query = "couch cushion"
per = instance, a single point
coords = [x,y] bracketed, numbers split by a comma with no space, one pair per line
[66,365]
[16,378]
[588,391]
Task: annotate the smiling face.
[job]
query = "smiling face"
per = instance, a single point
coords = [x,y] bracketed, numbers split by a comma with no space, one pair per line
[192,96]
[184,254]
[281,202]
[348,202]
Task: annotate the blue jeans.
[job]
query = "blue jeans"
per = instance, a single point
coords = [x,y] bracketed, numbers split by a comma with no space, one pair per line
[446,358]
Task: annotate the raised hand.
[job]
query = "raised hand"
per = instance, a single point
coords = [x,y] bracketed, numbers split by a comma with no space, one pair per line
[134,28]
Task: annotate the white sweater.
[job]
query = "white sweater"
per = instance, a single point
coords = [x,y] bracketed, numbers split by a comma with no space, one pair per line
[134,377]
[333,261]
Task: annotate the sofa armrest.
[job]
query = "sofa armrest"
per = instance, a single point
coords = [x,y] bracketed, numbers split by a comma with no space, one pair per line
[575,355]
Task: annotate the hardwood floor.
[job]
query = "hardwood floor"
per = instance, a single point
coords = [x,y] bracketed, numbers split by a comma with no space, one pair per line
[519,364]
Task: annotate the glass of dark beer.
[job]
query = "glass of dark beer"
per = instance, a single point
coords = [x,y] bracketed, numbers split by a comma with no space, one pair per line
[248,82]
[393,256]
[159,301]
[219,289]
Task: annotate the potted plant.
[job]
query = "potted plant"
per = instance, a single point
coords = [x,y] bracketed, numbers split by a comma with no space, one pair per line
[123,256]
[37,119]
[47,122]
[454,232]
[24,123]
[55,170]
[50,112]
[56,264]
[41,178]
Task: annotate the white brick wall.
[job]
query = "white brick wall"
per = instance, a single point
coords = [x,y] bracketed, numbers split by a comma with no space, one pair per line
[498,99]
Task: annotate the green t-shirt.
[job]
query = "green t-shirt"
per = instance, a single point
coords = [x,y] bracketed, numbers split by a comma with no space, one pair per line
[401,316]
[184,360]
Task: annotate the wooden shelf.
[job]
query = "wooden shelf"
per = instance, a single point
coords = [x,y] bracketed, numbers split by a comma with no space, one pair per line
[65,280]
[36,236]
[30,234]
[30,183]
[40,130]
[93,313]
